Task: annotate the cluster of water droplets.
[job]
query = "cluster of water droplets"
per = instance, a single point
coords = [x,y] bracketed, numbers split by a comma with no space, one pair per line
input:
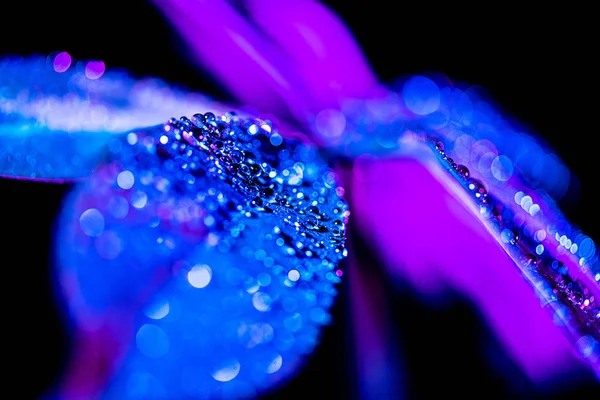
[548,259]
[252,158]
[222,239]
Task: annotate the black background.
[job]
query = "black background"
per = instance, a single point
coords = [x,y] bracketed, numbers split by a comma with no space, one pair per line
[538,63]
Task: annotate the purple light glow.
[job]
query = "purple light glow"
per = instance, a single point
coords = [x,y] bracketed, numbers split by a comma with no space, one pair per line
[62,62]
[94,69]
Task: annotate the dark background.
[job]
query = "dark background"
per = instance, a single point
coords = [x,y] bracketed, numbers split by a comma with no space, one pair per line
[538,63]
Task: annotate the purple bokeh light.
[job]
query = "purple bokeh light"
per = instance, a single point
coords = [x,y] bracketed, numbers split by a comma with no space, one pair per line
[94,69]
[62,62]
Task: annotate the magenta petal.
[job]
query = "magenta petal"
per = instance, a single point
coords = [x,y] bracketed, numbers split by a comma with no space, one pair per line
[230,48]
[324,51]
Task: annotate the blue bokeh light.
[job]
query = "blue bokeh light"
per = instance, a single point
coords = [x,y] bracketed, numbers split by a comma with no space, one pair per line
[421,95]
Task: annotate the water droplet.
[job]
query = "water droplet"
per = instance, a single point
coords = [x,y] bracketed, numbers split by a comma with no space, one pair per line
[462,171]
[312,222]
[477,188]
[509,236]
[530,259]
[236,155]
[186,123]
[256,202]
[198,120]
[209,117]
[486,210]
